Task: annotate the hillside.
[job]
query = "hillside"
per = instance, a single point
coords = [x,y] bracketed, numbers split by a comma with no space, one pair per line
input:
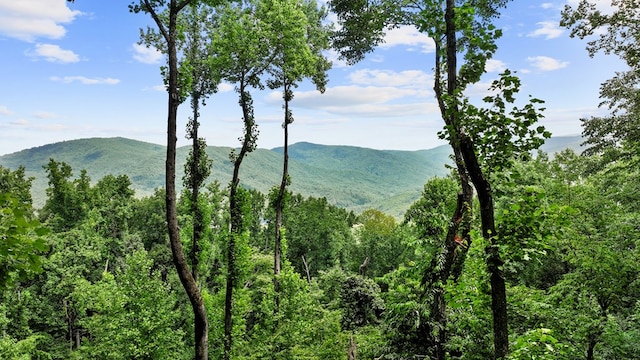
[352,177]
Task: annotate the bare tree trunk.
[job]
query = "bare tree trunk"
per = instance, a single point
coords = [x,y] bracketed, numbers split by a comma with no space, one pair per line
[353,349]
[306,269]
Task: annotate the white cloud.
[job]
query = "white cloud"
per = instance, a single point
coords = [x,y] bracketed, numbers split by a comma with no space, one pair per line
[372,93]
[385,110]
[408,78]
[545,63]
[53,53]
[159,88]
[479,89]
[355,100]
[548,29]
[20,122]
[546,5]
[225,87]
[5,110]
[349,95]
[146,55]
[602,5]
[333,56]
[85,80]
[45,115]
[28,20]
[408,36]
[494,65]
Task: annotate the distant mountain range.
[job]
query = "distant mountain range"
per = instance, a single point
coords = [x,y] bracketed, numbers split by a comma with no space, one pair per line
[351,177]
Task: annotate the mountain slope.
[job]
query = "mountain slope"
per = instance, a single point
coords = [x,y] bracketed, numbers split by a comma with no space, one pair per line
[352,177]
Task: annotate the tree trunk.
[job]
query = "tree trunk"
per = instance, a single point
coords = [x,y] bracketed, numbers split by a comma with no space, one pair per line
[353,349]
[465,146]
[279,205]
[306,269]
[494,262]
[231,274]
[186,278]
[287,96]
[283,186]
[195,189]
[444,262]
[236,215]
[590,348]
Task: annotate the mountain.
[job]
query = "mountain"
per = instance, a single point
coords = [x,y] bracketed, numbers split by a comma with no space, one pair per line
[352,177]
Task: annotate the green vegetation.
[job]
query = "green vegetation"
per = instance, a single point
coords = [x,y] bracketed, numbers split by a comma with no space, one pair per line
[387,180]
[107,286]
[542,262]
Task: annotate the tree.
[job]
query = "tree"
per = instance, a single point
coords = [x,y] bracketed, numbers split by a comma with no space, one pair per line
[17,183]
[21,234]
[165,15]
[299,40]
[202,83]
[240,56]
[66,204]
[452,239]
[319,234]
[378,248]
[616,32]
[133,313]
[482,139]
[594,298]
[21,241]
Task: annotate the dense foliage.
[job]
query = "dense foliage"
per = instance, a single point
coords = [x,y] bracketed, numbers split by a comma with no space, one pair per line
[91,274]
[108,286]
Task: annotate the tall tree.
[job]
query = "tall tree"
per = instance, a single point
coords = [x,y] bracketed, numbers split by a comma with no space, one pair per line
[202,83]
[481,139]
[241,55]
[616,31]
[165,15]
[21,241]
[300,37]
[67,198]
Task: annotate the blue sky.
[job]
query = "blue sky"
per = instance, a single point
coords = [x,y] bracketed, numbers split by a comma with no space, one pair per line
[74,70]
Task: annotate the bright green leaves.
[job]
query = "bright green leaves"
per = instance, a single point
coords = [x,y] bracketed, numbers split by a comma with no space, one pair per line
[431,213]
[379,246]
[239,44]
[131,314]
[526,222]
[298,37]
[21,241]
[538,344]
[503,131]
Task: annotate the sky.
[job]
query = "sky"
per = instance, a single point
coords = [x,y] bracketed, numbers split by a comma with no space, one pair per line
[75,70]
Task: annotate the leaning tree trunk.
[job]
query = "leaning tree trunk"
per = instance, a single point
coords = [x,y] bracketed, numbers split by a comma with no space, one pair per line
[485,196]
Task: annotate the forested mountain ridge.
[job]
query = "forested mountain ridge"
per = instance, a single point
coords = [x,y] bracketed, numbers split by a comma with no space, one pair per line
[352,177]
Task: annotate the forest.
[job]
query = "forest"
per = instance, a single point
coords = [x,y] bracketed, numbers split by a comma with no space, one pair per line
[514,254]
